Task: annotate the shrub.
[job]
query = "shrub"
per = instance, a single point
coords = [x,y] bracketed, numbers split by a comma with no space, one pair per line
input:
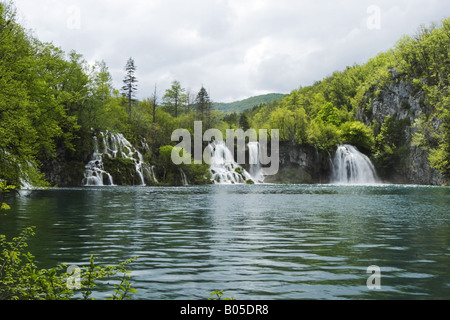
[20,278]
[357,134]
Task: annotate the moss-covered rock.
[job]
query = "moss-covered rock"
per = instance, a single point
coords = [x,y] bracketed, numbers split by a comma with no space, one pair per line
[122,170]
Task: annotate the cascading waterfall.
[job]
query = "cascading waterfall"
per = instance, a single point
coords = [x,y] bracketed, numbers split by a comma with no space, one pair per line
[255,165]
[152,171]
[149,170]
[115,145]
[223,168]
[25,181]
[184,179]
[352,167]
[95,174]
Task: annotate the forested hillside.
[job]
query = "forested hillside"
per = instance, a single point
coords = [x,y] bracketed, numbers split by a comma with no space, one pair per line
[246,104]
[396,101]
[53,102]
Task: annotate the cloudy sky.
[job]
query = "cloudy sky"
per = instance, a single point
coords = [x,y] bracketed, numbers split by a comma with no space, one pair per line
[234,48]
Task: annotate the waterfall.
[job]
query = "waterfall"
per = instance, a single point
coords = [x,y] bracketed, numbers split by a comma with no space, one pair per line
[139,165]
[183,178]
[152,171]
[224,169]
[114,145]
[25,181]
[255,165]
[95,174]
[352,167]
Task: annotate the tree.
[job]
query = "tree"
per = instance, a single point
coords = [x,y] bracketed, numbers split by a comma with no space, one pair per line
[102,81]
[231,119]
[244,122]
[440,157]
[190,101]
[154,104]
[174,98]
[34,99]
[357,134]
[203,106]
[324,136]
[391,147]
[130,83]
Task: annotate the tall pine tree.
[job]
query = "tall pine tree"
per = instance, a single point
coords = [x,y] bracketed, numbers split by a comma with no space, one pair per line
[130,81]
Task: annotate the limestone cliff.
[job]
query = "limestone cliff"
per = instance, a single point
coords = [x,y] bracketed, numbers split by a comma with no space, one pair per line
[301,164]
[403,102]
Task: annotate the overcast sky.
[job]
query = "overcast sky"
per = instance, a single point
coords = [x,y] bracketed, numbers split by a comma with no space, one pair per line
[234,48]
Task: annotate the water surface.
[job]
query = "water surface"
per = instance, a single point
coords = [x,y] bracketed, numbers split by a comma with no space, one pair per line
[251,241]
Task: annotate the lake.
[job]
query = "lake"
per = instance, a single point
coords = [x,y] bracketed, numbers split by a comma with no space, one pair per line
[251,241]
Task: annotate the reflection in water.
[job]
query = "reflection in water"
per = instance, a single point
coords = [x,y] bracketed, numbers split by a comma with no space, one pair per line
[252,241]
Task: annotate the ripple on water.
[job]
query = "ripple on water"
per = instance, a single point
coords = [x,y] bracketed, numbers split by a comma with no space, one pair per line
[260,241]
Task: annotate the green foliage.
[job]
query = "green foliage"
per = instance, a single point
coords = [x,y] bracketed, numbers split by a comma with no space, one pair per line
[232,120]
[358,134]
[312,115]
[425,61]
[247,104]
[165,155]
[328,114]
[218,295]
[122,170]
[325,114]
[324,136]
[21,279]
[203,107]
[129,81]
[174,99]
[283,120]
[439,159]
[440,155]
[196,174]
[390,145]
[33,100]
[51,100]
[244,122]
[4,188]
[426,136]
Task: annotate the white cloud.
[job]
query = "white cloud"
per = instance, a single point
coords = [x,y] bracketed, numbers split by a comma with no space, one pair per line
[236,48]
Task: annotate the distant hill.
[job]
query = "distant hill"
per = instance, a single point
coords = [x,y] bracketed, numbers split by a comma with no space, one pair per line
[249,103]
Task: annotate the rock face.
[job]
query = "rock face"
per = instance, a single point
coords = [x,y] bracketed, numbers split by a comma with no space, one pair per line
[301,164]
[400,100]
[305,164]
[418,170]
[66,168]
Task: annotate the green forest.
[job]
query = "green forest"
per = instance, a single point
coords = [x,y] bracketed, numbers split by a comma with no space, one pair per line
[52,102]
[249,103]
[330,112]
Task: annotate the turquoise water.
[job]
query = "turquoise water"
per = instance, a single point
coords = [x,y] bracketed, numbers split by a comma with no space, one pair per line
[251,241]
